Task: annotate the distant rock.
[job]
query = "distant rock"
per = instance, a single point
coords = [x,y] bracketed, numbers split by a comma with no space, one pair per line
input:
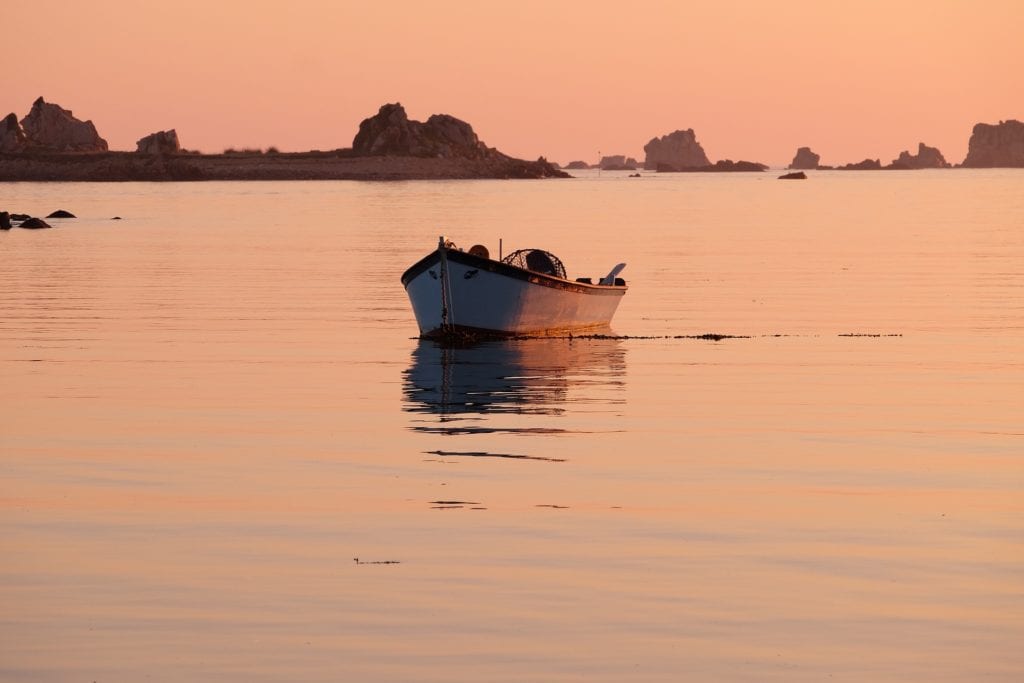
[926,157]
[12,135]
[162,142]
[678,150]
[866,165]
[52,127]
[577,165]
[61,213]
[391,133]
[728,165]
[34,224]
[722,166]
[20,216]
[5,220]
[996,146]
[617,162]
[805,160]
[799,175]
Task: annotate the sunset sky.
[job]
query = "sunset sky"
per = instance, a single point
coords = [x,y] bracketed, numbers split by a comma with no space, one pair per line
[562,79]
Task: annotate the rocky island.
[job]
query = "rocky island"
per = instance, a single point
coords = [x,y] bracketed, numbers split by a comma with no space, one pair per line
[679,152]
[50,144]
[996,146]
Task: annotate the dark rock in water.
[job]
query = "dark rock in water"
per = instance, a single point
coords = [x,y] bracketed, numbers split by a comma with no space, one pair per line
[805,159]
[53,127]
[20,216]
[926,157]
[866,165]
[678,150]
[12,136]
[116,218]
[5,220]
[799,175]
[634,175]
[163,142]
[578,165]
[34,224]
[996,146]
[61,213]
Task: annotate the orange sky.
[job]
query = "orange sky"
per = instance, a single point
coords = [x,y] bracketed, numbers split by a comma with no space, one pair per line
[755,80]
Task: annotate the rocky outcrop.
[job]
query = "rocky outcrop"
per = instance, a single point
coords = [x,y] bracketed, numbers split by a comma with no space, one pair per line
[577,165]
[12,136]
[866,165]
[5,220]
[617,162]
[798,175]
[162,142]
[52,127]
[926,157]
[805,160]
[721,166]
[679,150]
[34,224]
[61,213]
[391,133]
[996,146]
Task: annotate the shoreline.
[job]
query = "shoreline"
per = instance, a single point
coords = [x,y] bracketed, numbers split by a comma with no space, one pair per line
[337,165]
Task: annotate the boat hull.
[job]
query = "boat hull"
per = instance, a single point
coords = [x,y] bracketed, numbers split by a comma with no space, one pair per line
[493,299]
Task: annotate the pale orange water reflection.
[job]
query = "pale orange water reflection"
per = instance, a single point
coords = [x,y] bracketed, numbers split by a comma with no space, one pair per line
[212,407]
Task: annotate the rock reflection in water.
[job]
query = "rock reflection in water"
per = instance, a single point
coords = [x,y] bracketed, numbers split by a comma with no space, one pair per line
[529,376]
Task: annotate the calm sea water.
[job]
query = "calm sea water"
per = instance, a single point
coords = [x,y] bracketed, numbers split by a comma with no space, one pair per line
[212,407]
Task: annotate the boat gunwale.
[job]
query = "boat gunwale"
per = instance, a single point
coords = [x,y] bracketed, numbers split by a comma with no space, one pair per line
[507,270]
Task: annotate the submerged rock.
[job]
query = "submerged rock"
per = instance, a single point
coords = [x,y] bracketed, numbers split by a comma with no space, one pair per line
[34,224]
[5,220]
[61,213]
[799,175]
[996,146]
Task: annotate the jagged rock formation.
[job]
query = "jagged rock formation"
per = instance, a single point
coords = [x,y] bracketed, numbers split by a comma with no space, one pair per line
[926,157]
[52,127]
[391,133]
[678,150]
[12,136]
[163,142]
[996,146]
[617,162]
[805,160]
[866,165]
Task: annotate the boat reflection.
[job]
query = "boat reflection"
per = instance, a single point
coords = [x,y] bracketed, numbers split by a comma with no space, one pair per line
[526,377]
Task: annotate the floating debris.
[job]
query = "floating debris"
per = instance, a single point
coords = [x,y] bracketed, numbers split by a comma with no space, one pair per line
[555,507]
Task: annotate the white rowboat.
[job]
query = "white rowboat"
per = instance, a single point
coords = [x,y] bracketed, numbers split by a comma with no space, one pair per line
[467,294]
